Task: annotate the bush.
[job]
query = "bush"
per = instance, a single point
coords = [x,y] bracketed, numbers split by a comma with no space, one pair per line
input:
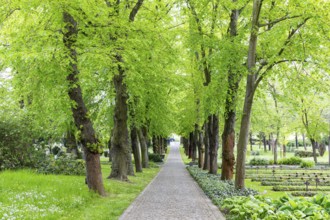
[16,148]
[216,189]
[258,162]
[307,164]
[255,153]
[290,161]
[65,165]
[155,158]
[302,153]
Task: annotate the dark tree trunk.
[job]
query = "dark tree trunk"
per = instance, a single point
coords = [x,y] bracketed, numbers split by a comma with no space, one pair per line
[120,151]
[109,147]
[284,150]
[192,146]
[71,144]
[206,165]
[264,142]
[214,143]
[136,149]
[83,123]
[185,143]
[314,146]
[228,134]
[144,148]
[154,144]
[269,143]
[199,142]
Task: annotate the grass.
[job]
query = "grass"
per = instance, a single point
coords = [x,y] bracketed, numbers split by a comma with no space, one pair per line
[25,194]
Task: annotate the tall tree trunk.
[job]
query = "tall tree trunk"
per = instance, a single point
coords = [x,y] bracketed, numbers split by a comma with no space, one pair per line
[228,134]
[251,85]
[214,143]
[304,142]
[185,142]
[200,150]
[251,145]
[154,144]
[136,149]
[192,144]
[83,123]
[206,165]
[314,146]
[269,143]
[144,148]
[71,144]
[120,151]
[264,142]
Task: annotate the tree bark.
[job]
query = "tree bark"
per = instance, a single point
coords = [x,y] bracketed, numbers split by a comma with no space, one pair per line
[83,123]
[154,144]
[296,138]
[120,151]
[144,148]
[136,149]
[228,144]
[214,143]
[199,143]
[264,142]
[314,146]
[185,143]
[304,142]
[206,165]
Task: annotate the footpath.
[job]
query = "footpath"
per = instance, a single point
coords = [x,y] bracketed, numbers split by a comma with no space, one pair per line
[173,194]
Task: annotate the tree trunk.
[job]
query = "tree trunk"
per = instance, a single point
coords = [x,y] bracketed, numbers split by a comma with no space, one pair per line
[185,142]
[136,149]
[71,144]
[82,121]
[269,143]
[198,139]
[251,145]
[214,143]
[251,85]
[284,150]
[329,148]
[314,146]
[304,142]
[154,144]
[120,151]
[228,144]
[144,148]
[206,165]
[228,134]
[192,146]
[264,142]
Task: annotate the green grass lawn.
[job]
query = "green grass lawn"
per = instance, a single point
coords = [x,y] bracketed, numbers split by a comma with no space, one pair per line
[25,194]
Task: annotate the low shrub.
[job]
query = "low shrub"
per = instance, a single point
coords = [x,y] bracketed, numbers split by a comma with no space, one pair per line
[302,153]
[288,207]
[307,164]
[299,188]
[216,189]
[155,158]
[62,165]
[258,162]
[290,161]
[304,194]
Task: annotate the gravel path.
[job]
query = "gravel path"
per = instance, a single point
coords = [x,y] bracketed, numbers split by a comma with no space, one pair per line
[173,194]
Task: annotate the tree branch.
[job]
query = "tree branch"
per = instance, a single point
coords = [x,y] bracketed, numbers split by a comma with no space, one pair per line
[135,10]
[286,17]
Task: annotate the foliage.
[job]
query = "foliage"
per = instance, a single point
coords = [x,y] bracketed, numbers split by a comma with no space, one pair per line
[16,144]
[63,164]
[288,207]
[290,161]
[302,153]
[258,162]
[307,164]
[214,188]
[155,158]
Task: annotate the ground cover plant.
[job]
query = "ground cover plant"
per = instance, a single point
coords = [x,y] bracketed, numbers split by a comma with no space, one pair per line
[215,189]
[287,207]
[25,194]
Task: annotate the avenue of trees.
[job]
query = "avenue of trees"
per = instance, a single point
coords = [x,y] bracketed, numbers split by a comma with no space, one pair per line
[124,75]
